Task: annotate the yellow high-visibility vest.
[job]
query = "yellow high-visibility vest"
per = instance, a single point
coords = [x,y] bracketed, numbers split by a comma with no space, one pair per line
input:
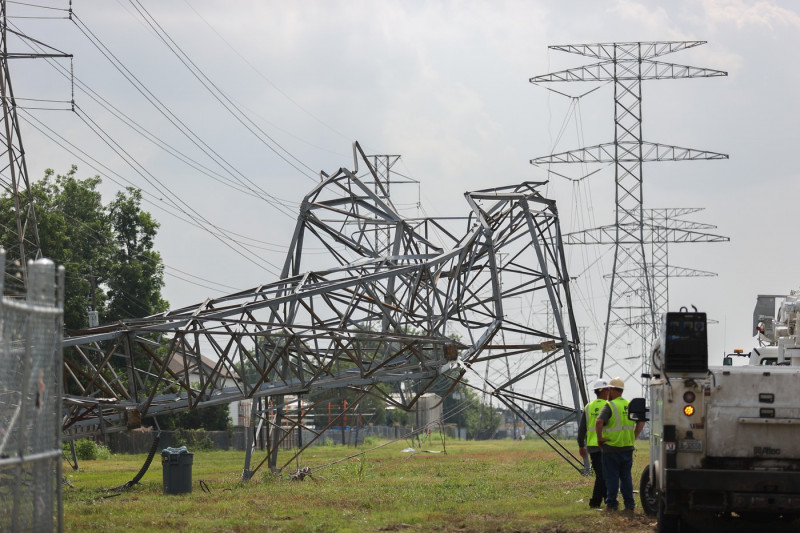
[591,412]
[619,430]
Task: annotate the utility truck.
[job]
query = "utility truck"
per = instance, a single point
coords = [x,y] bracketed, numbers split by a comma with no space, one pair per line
[724,440]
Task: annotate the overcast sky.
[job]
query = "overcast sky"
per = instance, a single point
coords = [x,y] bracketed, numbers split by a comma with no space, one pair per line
[444,85]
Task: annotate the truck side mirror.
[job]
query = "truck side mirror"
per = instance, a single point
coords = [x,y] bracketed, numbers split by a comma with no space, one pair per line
[728,361]
[637,410]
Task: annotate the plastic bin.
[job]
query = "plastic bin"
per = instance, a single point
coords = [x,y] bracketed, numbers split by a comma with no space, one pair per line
[176,464]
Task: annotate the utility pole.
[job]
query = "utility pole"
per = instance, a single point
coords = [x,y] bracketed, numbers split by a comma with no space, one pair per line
[631,306]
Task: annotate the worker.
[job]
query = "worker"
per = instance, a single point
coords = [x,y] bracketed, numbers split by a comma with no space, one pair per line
[587,440]
[616,434]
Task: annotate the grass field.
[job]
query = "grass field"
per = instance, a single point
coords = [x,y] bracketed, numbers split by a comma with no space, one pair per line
[474,486]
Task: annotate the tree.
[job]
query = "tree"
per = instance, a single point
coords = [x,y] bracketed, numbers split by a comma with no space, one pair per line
[107,251]
[137,273]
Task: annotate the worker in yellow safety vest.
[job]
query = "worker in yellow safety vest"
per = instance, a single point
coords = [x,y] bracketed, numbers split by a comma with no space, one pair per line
[587,440]
[616,434]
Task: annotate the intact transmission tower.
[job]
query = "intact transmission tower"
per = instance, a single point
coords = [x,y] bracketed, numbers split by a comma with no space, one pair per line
[667,226]
[632,303]
[382,183]
[13,169]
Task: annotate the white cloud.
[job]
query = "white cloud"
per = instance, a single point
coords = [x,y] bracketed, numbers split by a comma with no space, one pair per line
[764,14]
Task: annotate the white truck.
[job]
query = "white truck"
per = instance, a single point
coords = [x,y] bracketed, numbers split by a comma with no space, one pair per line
[724,440]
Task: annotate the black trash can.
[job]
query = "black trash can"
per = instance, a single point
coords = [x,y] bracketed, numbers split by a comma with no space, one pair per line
[176,464]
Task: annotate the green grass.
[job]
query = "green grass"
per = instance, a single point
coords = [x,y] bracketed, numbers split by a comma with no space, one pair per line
[476,486]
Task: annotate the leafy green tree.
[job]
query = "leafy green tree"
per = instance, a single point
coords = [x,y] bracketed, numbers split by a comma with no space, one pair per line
[73,231]
[137,273]
[107,251]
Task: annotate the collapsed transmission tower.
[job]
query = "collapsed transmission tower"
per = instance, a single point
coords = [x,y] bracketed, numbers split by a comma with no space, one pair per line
[632,304]
[378,315]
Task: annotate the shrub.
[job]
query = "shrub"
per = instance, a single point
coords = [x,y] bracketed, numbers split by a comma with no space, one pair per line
[193,439]
[88,450]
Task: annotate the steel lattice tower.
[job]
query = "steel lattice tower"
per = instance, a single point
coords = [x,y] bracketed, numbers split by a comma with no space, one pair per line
[632,304]
[13,169]
[666,226]
[382,184]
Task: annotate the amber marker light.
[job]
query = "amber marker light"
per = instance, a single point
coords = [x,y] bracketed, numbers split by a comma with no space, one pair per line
[688,410]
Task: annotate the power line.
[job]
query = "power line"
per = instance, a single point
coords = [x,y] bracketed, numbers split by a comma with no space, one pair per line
[160,106]
[218,94]
[149,198]
[278,203]
[168,194]
[265,78]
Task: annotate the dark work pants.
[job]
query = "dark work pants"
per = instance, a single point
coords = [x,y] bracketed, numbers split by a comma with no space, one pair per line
[617,471]
[599,490]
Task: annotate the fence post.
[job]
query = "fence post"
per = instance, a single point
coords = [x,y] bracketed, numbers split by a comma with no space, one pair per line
[31,401]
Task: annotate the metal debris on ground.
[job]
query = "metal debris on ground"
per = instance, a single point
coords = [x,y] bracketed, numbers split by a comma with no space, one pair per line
[300,474]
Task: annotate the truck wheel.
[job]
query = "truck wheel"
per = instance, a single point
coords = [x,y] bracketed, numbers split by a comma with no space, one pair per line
[667,523]
[647,494]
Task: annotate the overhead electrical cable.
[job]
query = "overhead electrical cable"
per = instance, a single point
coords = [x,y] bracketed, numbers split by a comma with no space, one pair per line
[169,195]
[265,78]
[77,275]
[148,197]
[220,96]
[139,169]
[38,6]
[280,204]
[160,106]
[120,180]
[100,238]
[202,279]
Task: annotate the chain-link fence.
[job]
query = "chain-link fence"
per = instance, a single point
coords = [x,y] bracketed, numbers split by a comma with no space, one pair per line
[30,402]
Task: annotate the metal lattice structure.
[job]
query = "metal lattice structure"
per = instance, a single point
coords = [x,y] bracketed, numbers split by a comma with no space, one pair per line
[372,318]
[632,305]
[662,227]
[30,402]
[13,169]
[668,226]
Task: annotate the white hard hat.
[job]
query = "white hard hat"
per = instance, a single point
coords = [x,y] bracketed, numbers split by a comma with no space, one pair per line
[600,384]
[616,383]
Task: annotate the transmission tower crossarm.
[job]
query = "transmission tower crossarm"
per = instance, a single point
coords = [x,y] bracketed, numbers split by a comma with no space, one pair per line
[657,70]
[601,235]
[643,49]
[676,235]
[671,212]
[628,70]
[684,272]
[665,152]
[629,151]
[672,272]
[56,52]
[678,224]
[608,235]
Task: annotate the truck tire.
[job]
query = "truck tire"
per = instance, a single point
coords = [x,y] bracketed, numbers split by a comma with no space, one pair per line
[667,523]
[648,494]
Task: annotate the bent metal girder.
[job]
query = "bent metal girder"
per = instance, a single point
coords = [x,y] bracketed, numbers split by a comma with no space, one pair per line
[373,317]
